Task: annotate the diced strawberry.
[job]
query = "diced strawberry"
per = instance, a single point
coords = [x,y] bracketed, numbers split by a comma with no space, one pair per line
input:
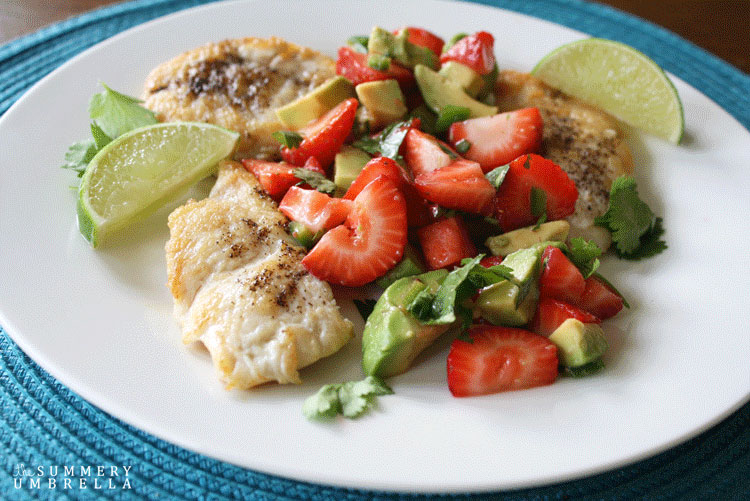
[560,278]
[316,210]
[513,201]
[498,139]
[313,165]
[475,51]
[491,261]
[550,313]
[598,299]
[445,243]
[425,153]
[500,359]
[276,177]
[369,243]
[353,65]
[324,137]
[460,185]
[424,38]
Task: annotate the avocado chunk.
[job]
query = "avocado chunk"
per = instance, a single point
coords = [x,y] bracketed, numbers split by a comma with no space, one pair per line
[315,103]
[498,304]
[410,265]
[507,243]
[393,337]
[439,92]
[383,43]
[347,165]
[577,343]
[384,101]
[469,80]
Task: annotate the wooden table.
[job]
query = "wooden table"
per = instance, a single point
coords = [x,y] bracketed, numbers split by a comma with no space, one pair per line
[719,26]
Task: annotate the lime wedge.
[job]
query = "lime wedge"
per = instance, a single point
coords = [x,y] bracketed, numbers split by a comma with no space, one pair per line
[618,79]
[143,169]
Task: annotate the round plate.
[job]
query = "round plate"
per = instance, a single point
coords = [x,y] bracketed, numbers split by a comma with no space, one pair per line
[100,321]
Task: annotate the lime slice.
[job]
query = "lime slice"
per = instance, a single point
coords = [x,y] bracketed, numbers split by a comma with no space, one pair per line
[143,169]
[618,79]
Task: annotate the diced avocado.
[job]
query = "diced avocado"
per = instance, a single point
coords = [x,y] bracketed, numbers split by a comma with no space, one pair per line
[497,304]
[303,235]
[347,165]
[392,337]
[315,103]
[418,54]
[577,343]
[384,101]
[524,263]
[410,265]
[488,86]
[502,245]
[439,92]
[469,80]
[397,47]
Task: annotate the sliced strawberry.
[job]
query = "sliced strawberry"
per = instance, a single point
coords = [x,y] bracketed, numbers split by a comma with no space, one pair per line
[313,165]
[461,186]
[425,153]
[276,177]
[423,38]
[475,51]
[550,313]
[491,261]
[500,359]
[323,138]
[445,243]
[353,65]
[498,139]
[598,299]
[513,201]
[368,244]
[560,278]
[316,210]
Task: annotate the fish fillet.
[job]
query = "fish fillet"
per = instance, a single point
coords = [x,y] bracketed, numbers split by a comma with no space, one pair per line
[237,84]
[239,286]
[585,141]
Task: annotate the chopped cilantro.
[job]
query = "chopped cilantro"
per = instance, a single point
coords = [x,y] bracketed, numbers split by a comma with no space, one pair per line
[358,43]
[100,138]
[426,116]
[583,254]
[387,143]
[117,113]
[538,199]
[315,179]
[463,146]
[79,155]
[351,399]
[287,138]
[497,175]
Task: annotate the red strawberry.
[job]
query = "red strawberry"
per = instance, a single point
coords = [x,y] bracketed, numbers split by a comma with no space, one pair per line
[598,299]
[498,139]
[324,137]
[491,261]
[560,278]
[276,177]
[475,51]
[513,201]
[353,65]
[461,186]
[500,359]
[368,244]
[313,165]
[445,243]
[551,313]
[425,153]
[424,38]
[316,210]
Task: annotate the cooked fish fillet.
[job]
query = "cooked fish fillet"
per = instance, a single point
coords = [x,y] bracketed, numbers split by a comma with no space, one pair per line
[239,286]
[585,141]
[237,84]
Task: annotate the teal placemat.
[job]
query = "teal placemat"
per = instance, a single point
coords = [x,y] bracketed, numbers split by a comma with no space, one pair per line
[45,424]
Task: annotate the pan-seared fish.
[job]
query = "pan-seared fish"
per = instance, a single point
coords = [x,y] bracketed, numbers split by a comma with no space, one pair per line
[239,286]
[585,141]
[237,84]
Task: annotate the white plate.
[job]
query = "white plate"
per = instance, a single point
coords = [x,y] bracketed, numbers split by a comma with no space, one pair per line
[100,321]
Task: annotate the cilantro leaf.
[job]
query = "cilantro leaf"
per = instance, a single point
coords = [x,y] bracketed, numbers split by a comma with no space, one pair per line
[538,199]
[79,155]
[497,175]
[650,244]
[387,143]
[463,146]
[351,399]
[324,404]
[315,179]
[583,254]
[287,138]
[100,138]
[358,43]
[452,292]
[426,116]
[365,307]
[117,113]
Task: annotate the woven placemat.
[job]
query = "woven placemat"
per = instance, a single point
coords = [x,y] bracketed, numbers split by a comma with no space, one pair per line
[43,423]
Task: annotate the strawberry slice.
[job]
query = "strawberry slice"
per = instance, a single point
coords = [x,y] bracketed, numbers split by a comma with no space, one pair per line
[475,51]
[598,299]
[313,165]
[316,210]
[369,243]
[445,243]
[425,153]
[324,137]
[490,261]
[498,139]
[550,313]
[353,65]
[560,278]
[416,206]
[276,177]
[513,201]
[461,186]
[500,359]
[423,38]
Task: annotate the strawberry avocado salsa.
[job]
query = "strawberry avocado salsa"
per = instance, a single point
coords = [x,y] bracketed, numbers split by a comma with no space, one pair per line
[402,171]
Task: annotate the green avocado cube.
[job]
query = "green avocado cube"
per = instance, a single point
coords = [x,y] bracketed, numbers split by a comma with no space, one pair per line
[410,265]
[347,165]
[507,243]
[578,343]
[315,104]
[469,80]
[498,304]
[384,101]
[439,92]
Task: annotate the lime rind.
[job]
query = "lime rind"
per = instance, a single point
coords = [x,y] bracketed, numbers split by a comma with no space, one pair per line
[618,79]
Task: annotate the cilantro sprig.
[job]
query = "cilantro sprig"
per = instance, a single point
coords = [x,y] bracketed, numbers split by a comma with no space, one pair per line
[315,179]
[387,143]
[287,138]
[351,399]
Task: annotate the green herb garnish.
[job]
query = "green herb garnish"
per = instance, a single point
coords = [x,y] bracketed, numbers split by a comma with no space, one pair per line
[315,179]
[497,175]
[463,146]
[351,399]
[538,200]
[359,43]
[287,138]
